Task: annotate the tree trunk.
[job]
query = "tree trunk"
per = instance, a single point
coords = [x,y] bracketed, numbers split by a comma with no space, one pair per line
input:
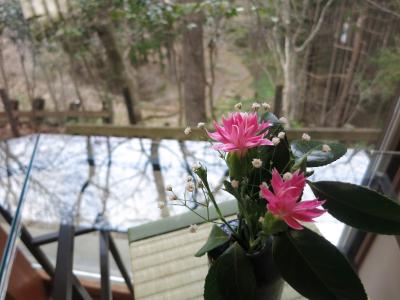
[351,69]
[290,89]
[194,81]
[120,73]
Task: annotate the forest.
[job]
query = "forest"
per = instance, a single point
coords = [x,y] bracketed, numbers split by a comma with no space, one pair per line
[319,63]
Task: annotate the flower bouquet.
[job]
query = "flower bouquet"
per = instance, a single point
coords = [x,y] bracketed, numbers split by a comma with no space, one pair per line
[268,241]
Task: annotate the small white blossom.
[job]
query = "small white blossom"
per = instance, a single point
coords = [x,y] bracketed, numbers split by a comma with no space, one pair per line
[169,188]
[235,183]
[305,137]
[266,106]
[326,148]
[257,163]
[172,197]
[261,219]
[281,135]
[188,130]
[193,228]
[190,187]
[276,140]
[287,176]
[196,166]
[255,106]
[161,204]
[201,125]
[283,120]
[191,26]
[200,184]
[238,106]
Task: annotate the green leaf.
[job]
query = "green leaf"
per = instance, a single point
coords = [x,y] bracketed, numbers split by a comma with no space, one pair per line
[216,238]
[313,151]
[231,276]
[359,207]
[315,268]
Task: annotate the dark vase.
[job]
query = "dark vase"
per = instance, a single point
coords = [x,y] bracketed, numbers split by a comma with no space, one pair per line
[269,281]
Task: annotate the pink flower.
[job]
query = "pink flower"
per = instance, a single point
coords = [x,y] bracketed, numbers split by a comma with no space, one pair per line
[284,203]
[239,132]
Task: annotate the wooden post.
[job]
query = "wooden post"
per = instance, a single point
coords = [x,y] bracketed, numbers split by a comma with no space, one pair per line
[278,100]
[8,107]
[37,105]
[74,106]
[106,108]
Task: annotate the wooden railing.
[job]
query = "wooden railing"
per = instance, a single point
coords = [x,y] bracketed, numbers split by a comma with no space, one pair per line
[349,136]
[54,114]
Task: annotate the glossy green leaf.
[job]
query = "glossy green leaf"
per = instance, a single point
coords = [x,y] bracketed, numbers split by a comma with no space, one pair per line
[359,207]
[231,276]
[315,268]
[216,238]
[313,151]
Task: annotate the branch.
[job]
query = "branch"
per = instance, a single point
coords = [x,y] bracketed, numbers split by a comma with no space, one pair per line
[316,28]
[384,9]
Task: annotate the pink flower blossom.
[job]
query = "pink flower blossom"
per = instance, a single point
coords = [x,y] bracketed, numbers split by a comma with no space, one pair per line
[284,203]
[239,132]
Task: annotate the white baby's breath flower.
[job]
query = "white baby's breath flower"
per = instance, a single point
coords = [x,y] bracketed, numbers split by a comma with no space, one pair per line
[238,106]
[201,125]
[283,120]
[257,163]
[191,26]
[190,187]
[326,148]
[261,219]
[306,137]
[168,188]
[235,183]
[255,106]
[276,140]
[193,228]
[281,135]
[266,106]
[287,176]
[161,204]
[188,130]
[172,197]
[196,166]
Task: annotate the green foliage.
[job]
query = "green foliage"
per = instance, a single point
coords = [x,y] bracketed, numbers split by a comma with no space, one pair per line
[359,207]
[312,150]
[388,63]
[231,276]
[314,267]
[216,238]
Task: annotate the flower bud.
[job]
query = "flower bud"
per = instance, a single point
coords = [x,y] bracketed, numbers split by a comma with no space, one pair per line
[201,125]
[257,163]
[266,106]
[188,130]
[305,137]
[238,106]
[326,148]
[287,176]
[255,106]
[235,183]
[276,140]
[281,135]
[190,187]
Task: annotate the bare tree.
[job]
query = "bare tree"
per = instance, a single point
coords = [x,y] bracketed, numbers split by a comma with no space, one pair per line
[193,64]
[289,37]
